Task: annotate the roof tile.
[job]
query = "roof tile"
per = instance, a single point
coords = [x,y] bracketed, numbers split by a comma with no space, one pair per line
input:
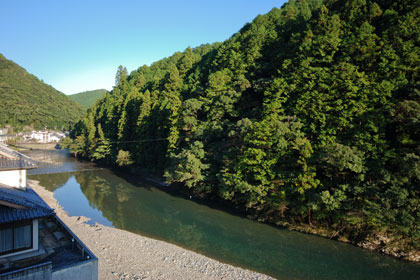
[35,206]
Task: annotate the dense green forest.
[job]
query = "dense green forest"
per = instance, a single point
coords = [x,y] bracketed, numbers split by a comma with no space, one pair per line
[88,98]
[27,101]
[309,115]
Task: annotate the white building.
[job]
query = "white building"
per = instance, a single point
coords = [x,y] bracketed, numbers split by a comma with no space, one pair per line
[55,137]
[43,136]
[40,136]
[4,138]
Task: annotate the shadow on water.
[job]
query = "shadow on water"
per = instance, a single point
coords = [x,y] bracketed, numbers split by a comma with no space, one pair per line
[141,181]
[131,204]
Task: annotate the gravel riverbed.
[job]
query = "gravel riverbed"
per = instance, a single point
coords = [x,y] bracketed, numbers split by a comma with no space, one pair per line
[125,255]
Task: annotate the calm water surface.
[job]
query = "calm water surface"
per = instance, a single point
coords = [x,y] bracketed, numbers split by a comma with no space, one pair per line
[83,189]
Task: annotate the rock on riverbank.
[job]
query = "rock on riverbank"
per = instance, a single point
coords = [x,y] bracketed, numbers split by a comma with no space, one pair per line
[125,255]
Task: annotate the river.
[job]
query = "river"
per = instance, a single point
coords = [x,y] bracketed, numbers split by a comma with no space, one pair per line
[131,204]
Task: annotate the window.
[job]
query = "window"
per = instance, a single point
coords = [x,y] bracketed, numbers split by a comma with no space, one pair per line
[16,237]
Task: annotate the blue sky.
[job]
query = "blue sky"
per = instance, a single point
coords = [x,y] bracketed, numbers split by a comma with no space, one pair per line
[78,45]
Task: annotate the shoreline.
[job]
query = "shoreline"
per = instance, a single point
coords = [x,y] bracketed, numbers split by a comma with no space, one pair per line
[35,146]
[126,255]
[379,243]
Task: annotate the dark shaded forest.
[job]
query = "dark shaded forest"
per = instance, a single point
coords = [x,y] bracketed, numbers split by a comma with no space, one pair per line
[28,101]
[309,115]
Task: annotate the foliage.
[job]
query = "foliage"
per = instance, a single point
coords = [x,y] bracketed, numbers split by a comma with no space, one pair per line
[27,101]
[65,143]
[123,158]
[87,98]
[309,114]
[188,167]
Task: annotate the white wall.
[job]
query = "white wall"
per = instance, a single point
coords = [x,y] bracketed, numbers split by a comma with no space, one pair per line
[14,178]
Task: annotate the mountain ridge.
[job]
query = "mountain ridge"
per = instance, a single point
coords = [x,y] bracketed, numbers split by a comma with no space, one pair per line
[87,98]
[28,101]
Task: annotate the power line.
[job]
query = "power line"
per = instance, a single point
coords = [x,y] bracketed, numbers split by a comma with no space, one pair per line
[151,140]
[117,142]
[155,139]
[141,140]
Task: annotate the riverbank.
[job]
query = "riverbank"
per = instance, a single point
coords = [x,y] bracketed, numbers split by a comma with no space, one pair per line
[394,246]
[125,255]
[380,242]
[34,146]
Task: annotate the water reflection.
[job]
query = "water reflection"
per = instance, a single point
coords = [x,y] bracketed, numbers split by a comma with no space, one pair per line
[57,161]
[52,182]
[136,207]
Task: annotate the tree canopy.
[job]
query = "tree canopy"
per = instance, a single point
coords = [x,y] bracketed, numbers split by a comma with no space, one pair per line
[309,114]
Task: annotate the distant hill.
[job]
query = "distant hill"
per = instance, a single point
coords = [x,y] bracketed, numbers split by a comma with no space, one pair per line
[88,98]
[27,101]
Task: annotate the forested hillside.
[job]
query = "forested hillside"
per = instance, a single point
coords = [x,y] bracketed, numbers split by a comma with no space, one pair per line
[87,98]
[308,115]
[27,101]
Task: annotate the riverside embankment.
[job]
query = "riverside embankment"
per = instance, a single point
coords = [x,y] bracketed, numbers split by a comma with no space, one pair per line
[125,255]
[130,204]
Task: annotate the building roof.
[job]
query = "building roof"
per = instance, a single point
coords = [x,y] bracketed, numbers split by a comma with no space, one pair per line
[12,160]
[21,205]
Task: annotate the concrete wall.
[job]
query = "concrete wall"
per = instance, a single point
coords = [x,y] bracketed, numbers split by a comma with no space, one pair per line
[87,270]
[37,272]
[14,178]
[81,271]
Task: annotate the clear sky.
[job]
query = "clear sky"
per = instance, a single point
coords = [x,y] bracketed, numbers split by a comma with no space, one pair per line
[77,45]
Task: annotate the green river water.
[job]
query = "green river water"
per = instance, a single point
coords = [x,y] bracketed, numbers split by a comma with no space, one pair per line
[130,204]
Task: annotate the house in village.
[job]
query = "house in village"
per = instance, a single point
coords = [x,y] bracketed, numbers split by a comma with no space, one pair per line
[42,136]
[34,242]
[56,137]
[4,137]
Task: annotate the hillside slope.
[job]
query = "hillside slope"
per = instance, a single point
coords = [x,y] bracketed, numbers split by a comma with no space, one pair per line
[87,98]
[27,101]
[307,117]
